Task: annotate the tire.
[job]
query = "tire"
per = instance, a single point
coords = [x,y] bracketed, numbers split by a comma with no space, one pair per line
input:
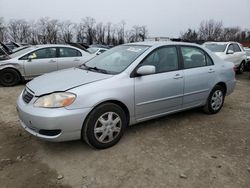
[104,126]
[9,77]
[215,100]
[241,68]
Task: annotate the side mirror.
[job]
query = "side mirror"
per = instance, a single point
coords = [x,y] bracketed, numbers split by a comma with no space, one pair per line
[146,70]
[98,53]
[30,57]
[230,52]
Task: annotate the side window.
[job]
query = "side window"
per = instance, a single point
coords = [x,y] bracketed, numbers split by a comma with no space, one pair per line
[69,52]
[41,54]
[236,48]
[209,61]
[164,59]
[231,47]
[193,57]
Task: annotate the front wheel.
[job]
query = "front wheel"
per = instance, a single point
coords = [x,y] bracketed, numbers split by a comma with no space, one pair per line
[215,100]
[9,77]
[104,126]
[241,68]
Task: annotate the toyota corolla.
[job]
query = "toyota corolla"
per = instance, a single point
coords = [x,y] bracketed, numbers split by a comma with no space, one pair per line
[128,84]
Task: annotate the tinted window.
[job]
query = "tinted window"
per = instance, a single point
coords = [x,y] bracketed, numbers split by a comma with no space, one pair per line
[209,61]
[236,48]
[231,47]
[164,59]
[42,54]
[193,57]
[69,52]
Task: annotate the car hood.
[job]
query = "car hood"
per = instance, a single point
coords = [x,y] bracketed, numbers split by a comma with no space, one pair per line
[63,80]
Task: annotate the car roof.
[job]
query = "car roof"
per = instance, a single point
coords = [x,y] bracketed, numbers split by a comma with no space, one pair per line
[53,45]
[213,42]
[162,43]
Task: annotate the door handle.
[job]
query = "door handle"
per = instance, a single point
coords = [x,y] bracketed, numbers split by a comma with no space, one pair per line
[52,61]
[178,76]
[76,59]
[211,70]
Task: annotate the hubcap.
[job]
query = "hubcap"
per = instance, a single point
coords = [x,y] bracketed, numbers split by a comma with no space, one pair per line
[241,67]
[107,127]
[217,100]
[7,78]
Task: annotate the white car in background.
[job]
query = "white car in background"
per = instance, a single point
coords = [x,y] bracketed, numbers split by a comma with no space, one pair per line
[37,60]
[97,51]
[248,58]
[229,51]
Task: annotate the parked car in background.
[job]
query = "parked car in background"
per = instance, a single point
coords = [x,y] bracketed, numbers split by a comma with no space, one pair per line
[36,60]
[229,51]
[125,85]
[9,50]
[96,51]
[247,67]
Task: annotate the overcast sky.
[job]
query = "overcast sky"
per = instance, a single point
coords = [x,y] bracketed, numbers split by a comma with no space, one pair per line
[162,17]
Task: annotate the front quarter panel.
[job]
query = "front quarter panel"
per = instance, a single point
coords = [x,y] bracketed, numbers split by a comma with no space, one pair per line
[12,64]
[119,88]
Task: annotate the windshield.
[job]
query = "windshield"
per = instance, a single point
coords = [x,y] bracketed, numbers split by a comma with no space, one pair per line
[216,47]
[117,59]
[23,51]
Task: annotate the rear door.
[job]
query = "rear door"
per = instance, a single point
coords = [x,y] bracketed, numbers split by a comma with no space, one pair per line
[199,74]
[40,61]
[161,92]
[69,57]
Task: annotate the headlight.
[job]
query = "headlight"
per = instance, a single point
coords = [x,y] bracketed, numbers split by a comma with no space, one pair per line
[55,100]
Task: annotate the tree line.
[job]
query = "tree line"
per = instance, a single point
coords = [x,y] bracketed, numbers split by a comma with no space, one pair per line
[212,30]
[48,31]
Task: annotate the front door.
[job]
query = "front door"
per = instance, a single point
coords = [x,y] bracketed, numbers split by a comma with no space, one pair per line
[161,92]
[40,61]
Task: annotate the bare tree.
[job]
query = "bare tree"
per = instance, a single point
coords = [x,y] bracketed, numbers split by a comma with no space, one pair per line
[108,29]
[230,33]
[89,24]
[3,30]
[49,30]
[19,30]
[67,29]
[190,35]
[210,30]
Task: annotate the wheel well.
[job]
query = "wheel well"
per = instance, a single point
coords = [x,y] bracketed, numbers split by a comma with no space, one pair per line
[119,103]
[222,84]
[8,68]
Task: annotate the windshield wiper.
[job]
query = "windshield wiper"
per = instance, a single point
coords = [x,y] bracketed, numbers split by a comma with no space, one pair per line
[95,69]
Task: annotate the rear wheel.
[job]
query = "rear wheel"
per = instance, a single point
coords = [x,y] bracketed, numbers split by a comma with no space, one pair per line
[215,100]
[9,77]
[104,126]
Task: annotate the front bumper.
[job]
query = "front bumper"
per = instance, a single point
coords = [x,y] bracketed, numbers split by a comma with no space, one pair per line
[34,119]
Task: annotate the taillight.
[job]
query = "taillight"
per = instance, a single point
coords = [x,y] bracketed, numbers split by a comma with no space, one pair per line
[235,69]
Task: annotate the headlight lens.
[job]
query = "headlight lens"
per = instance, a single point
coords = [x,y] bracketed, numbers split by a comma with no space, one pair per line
[55,100]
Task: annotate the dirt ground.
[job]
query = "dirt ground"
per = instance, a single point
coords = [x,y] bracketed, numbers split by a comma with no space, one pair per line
[188,149]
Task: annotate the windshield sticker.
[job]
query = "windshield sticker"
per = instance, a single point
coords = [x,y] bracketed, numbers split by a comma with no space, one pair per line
[132,49]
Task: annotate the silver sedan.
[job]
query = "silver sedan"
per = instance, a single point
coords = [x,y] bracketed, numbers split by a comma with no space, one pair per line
[36,60]
[128,84]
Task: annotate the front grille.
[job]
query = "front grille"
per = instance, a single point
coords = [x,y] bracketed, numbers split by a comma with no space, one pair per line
[27,96]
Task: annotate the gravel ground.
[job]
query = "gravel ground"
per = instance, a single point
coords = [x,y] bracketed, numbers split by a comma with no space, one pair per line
[188,149]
